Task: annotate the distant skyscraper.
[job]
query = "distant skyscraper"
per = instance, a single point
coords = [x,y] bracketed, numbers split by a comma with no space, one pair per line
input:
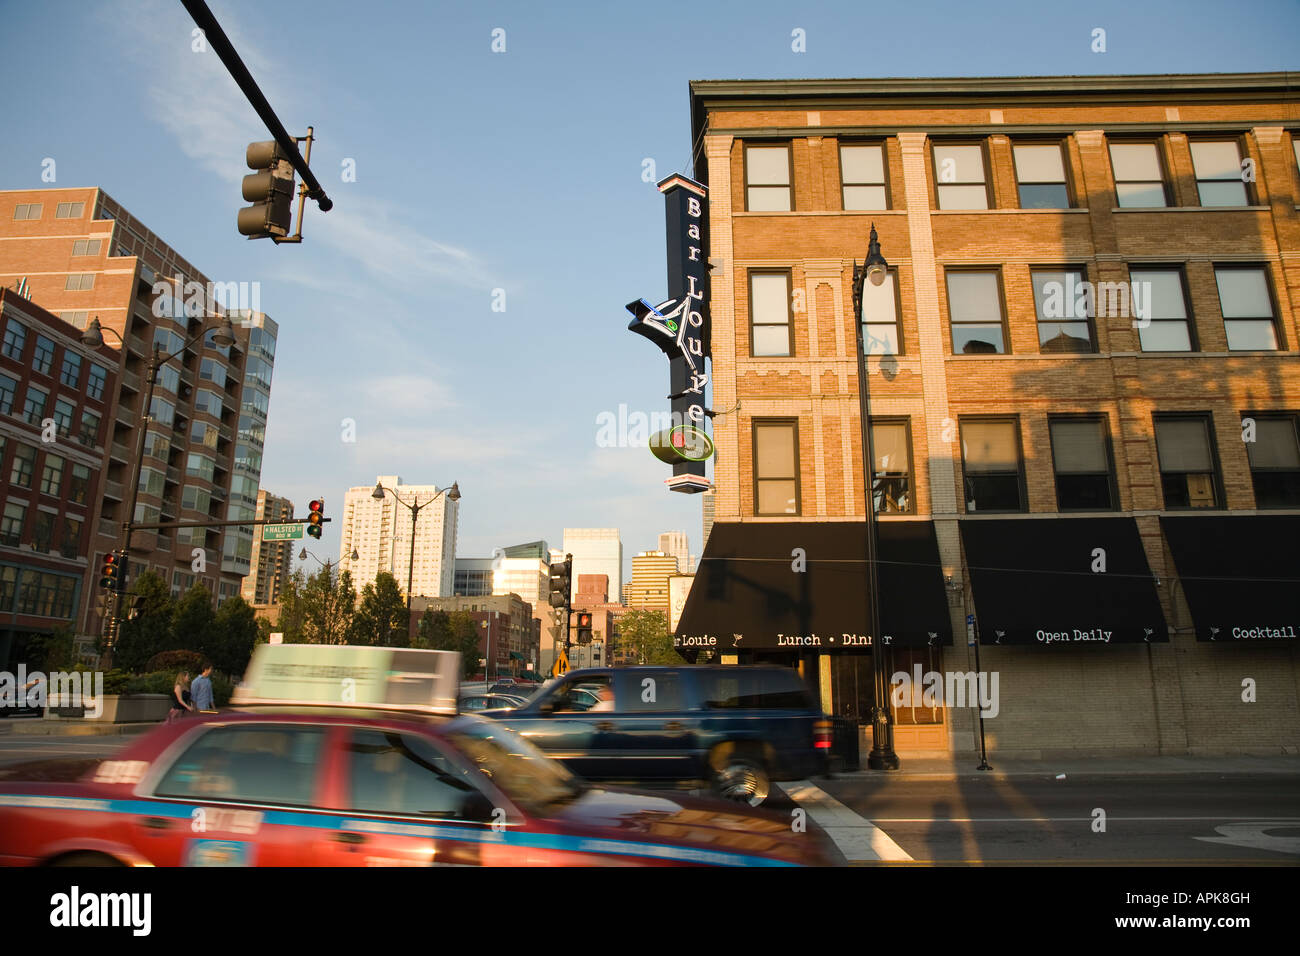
[380,532]
[596,551]
[473,577]
[271,560]
[708,499]
[648,588]
[674,543]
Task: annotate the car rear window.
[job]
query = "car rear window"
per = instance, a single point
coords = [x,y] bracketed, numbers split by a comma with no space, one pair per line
[743,689]
[273,764]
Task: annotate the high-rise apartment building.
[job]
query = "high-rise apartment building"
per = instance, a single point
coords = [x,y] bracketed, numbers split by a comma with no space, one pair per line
[272,560]
[380,531]
[648,588]
[1082,383]
[674,543]
[595,551]
[83,257]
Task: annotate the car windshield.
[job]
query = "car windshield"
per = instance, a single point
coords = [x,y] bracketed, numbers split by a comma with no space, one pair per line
[525,774]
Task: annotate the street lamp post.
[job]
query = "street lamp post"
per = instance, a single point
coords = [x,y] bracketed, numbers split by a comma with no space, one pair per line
[453,493]
[882,757]
[93,337]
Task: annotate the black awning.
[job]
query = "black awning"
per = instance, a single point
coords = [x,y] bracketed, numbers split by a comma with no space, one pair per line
[801,586]
[1240,574]
[1040,581]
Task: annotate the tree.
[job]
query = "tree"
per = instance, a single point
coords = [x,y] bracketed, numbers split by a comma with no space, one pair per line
[264,630]
[290,620]
[151,630]
[328,604]
[234,634]
[434,632]
[193,621]
[645,634]
[457,631]
[381,618]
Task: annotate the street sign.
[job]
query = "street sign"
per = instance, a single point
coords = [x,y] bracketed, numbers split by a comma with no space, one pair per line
[281,532]
[561,665]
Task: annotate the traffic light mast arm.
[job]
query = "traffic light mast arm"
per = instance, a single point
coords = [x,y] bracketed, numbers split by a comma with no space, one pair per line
[160,525]
[203,17]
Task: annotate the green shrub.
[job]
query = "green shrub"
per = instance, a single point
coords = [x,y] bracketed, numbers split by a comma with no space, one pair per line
[162,682]
[175,661]
[116,681]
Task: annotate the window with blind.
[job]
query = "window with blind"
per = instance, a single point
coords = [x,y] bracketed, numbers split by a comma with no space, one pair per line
[771,328]
[991,463]
[1040,176]
[1166,326]
[862,177]
[1188,475]
[1247,306]
[1218,173]
[881,319]
[1062,325]
[767,179]
[959,176]
[776,467]
[891,483]
[1081,459]
[1139,177]
[1275,460]
[975,313]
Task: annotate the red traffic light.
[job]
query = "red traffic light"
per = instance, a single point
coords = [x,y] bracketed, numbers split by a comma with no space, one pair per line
[584,620]
[110,573]
[316,506]
[317,515]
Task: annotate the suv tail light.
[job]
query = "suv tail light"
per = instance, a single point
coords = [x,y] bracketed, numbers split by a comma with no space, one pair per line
[822,735]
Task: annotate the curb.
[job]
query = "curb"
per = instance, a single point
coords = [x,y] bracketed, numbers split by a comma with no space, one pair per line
[69,728]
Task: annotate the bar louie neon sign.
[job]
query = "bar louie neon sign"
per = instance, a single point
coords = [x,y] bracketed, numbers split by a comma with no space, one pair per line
[680,327]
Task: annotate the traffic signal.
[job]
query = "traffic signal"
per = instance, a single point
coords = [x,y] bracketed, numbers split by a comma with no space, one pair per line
[561,575]
[270,190]
[111,573]
[315,517]
[584,627]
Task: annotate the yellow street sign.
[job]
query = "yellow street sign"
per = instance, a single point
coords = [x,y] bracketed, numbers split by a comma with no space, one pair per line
[561,665]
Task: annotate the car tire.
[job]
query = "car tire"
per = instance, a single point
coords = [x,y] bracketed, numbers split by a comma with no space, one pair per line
[84,859]
[741,777]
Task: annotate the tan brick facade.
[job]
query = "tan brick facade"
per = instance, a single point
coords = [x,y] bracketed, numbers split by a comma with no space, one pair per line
[1184,696]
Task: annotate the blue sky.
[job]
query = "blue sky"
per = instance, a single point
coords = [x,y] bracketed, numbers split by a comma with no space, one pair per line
[478,171]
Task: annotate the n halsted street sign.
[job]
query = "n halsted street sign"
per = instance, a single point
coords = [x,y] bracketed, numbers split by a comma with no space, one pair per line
[281,532]
[680,327]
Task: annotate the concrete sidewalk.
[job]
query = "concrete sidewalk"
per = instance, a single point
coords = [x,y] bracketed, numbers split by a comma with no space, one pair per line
[1005,768]
[68,727]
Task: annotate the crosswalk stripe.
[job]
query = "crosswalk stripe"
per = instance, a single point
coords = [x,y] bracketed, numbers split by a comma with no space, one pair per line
[855,836]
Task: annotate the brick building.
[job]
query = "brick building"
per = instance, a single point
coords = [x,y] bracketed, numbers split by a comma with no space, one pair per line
[50,475]
[84,257]
[507,628]
[1083,391]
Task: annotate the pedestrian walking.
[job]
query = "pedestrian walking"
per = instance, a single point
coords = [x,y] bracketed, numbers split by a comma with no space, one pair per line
[181,704]
[201,691]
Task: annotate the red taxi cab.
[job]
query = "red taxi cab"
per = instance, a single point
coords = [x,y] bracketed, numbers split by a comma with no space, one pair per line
[351,756]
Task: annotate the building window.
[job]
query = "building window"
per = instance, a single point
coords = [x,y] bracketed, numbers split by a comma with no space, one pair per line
[80,283]
[1218,173]
[891,483]
[1188,474]
[1248,316]
[34,409]
[76,319]
[1275,460]
[70,546]
[200,466]
[208,401]
[163,412]
[52,475]
[776,467]
[975,313]
[11,531]
[1085,474]
[1064,311]
[881,318]
[15,339]
[1040,176]
[96,378]
[79,486]
[70,375]
[89,428]
[43,355]
[991,463]
[767,179]
[959,177]
[86,247]
[70,210]
[20,475]
[1139,178]
[27,210]
[771,320]
[63,410]
[8,389]
[862,177]
[1165,327]
[43,531]
[151,482]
